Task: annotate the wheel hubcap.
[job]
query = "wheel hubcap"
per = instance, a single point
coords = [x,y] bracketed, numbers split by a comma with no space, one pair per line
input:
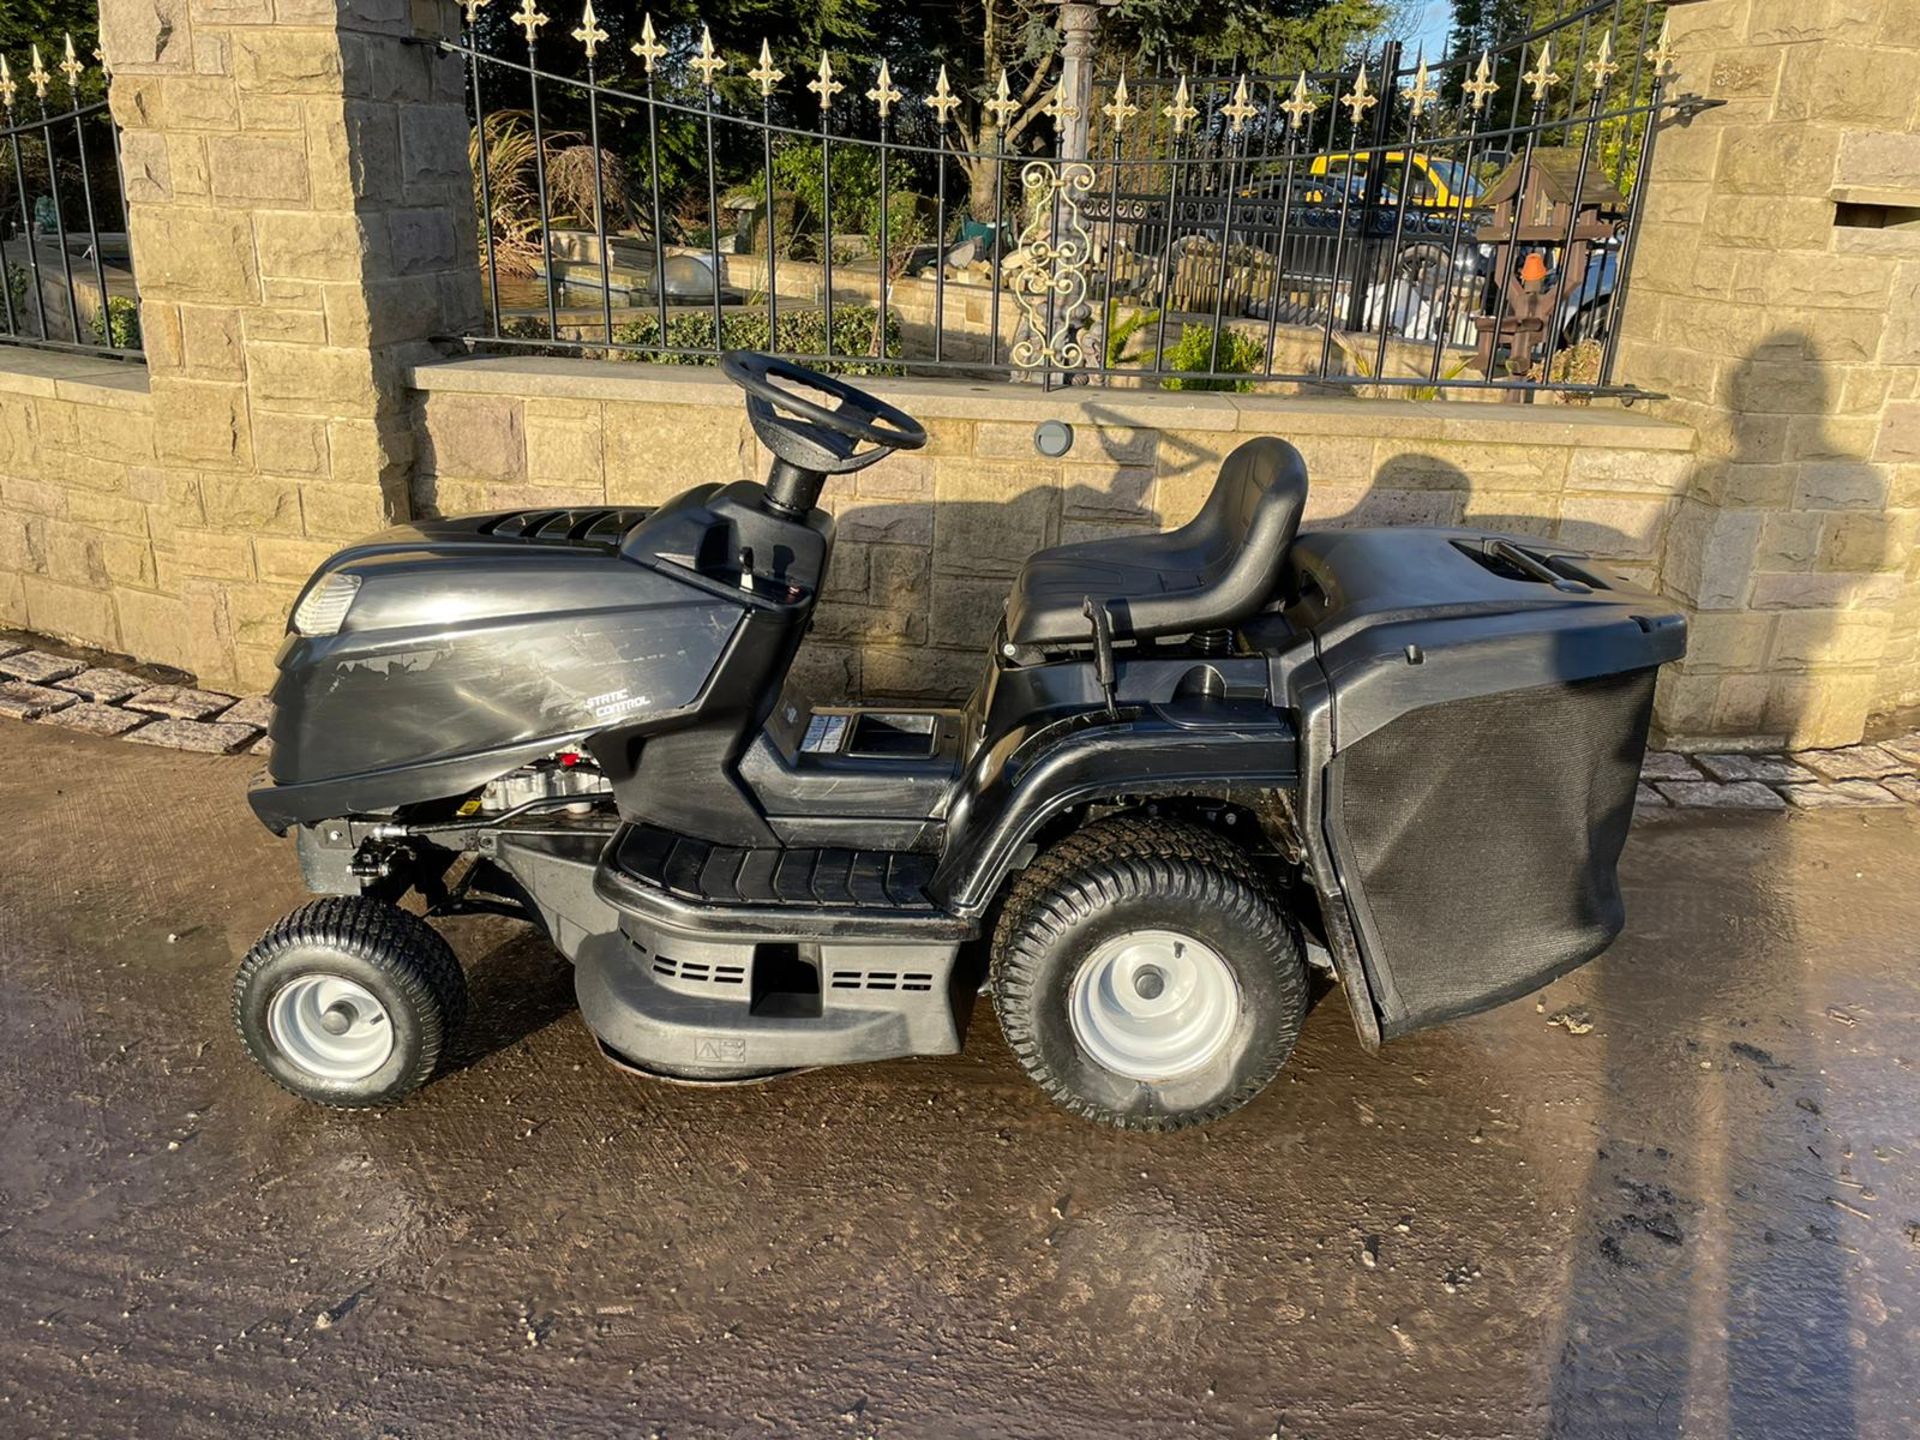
[1153,1004]
[330,1027]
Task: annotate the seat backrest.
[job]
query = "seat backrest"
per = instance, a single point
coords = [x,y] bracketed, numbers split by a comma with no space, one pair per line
[1240,537]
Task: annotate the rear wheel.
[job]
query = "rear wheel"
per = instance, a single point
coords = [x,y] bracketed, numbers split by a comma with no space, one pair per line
[1147,975]
[349,1002]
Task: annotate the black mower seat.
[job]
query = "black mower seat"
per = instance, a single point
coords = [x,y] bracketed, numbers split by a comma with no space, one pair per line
[1213,572]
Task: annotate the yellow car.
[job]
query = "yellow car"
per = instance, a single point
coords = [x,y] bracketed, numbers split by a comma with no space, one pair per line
[1437,184]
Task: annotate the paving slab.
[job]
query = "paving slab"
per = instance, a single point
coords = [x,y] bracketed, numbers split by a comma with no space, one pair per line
[38,667]
[21,701]
[181,702]
[1852,762]
[207,737]
[108,686]
[1907,747]
[253,710]
[91,718]
[11,647]
[1840,794]
[1907,787]
[1710,795]
[1647,796]
[1666,765]
[1769,769]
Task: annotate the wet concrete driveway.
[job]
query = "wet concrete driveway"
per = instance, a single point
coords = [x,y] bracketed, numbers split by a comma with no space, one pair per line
[1700,1217]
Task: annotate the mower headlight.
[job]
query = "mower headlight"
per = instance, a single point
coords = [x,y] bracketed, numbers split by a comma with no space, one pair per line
[326,605]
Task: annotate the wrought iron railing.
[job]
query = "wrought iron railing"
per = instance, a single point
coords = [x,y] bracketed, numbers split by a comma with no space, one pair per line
[1398,226]
[66,272]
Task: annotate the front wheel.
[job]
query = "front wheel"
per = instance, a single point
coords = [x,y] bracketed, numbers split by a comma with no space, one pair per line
[349,1002]
[1147,975]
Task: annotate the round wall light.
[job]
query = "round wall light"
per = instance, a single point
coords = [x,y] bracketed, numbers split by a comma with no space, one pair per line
[1053,438]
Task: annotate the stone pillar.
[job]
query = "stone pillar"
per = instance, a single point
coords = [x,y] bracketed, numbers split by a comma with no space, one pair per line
[1776,297]
[301,222]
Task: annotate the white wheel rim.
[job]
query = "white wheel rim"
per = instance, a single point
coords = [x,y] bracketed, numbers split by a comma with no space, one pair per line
[1153,1004]
[330,1027]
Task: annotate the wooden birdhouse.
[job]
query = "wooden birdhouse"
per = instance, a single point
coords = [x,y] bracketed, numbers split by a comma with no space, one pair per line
[1543,237]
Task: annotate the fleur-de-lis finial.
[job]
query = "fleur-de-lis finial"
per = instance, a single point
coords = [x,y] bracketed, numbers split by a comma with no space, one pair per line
[100,59]
[646,47]
[765,73]
[1060,107]
[1299,106]
[1003,105]
[473,9]
[1661,55]
[1541,77]
[1182,111]
[1423,92]
[943,101]
[1360,99]
[709,62]
[1120,109]
[1602,66]
[1483,87]
[883,93]
[39,74]
[9,87]
[1241,109]
[824,85]
[589,34]
[530,20]
[72,68]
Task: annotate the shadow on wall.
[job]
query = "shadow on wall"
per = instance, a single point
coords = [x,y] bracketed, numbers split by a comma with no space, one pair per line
[1783,563]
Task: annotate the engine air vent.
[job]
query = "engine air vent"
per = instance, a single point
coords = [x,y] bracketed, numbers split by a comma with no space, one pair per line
[881,980]
[699,972]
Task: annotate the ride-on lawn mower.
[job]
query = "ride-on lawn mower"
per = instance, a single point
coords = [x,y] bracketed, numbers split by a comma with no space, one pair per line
[1206,776]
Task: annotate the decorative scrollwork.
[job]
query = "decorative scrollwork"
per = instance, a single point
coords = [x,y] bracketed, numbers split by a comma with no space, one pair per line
[1051,288]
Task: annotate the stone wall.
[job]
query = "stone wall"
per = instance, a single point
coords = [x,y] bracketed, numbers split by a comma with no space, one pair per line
[928,541]
[81,502]
[1776,298]
[300,218]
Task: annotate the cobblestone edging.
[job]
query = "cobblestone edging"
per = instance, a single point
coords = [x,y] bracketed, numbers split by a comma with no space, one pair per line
[95,700]
[1887,773]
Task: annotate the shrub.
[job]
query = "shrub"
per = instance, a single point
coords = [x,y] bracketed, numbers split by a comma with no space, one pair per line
[801,332]
[19,283]
[1196,349]
[119,326]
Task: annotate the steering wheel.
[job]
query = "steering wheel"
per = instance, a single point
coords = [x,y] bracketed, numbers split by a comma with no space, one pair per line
[816,438]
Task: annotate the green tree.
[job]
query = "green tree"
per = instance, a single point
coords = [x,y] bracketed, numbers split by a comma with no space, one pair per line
[43,22]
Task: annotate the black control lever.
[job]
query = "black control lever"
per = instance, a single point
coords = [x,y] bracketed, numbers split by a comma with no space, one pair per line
[1102,624]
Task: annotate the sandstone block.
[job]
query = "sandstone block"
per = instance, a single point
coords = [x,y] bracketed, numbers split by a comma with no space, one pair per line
[256,169]
[288,61]
[188,254]
[484,438]
[71,612]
